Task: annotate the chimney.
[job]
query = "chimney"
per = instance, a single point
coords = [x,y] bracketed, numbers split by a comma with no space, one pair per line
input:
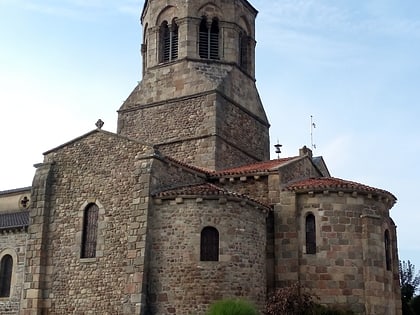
[305,151]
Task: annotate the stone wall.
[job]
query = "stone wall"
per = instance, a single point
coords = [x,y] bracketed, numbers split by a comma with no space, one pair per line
[112,172]
[13,243]
[179,283]
[349,266]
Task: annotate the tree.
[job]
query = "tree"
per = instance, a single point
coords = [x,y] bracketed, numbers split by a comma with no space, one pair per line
[415,305]
[409,283]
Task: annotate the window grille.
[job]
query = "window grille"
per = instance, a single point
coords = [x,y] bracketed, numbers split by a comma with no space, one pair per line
[6,268]
[209,246]
[310,234]
[209,39]
[90,231]
[387,250]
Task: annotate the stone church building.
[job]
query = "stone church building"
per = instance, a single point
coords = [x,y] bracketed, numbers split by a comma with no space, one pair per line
[182,206]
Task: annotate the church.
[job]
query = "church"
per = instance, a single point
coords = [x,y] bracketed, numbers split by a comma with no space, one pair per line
[182,206]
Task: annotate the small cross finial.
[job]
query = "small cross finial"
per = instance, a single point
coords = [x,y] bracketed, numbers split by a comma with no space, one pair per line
[99,124]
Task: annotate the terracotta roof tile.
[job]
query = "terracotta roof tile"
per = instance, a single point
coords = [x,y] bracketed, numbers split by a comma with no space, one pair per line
[14,220]
[325,183]
[205,189]
[258,167]
[192,167]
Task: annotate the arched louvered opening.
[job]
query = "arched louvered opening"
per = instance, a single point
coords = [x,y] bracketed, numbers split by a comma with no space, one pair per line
[209,39]
[209,244]
[310,234]
[168,42]
[244,50]
[6,269]
[387,242]
[90,231]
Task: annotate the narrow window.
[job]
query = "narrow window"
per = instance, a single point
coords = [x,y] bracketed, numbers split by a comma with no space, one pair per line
[168,42]
[310,234]
[90,231]
[6,268]
[387,250]
[243,50]
[209,39]
[209,246]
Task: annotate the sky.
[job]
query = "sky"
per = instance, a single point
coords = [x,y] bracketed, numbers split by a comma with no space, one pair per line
[353,66]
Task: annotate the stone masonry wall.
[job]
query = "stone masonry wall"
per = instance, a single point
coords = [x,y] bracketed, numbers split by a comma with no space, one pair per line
[179,283]
[243,130]
[166,175]
[113,173]
[349,266]
[13,243]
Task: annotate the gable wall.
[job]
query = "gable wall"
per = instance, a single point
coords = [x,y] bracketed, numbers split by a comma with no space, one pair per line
[113,173]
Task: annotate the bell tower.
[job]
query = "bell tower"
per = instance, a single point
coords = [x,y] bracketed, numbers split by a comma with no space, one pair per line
[198,101]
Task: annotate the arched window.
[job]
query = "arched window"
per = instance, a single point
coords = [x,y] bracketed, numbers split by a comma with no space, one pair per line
[209,39]
[387,242]
[6,268]
[168,42]
[310,234]
[244,50]
[90,231]
[209,246]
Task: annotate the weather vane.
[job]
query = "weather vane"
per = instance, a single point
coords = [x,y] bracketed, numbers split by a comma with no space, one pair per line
[278,149]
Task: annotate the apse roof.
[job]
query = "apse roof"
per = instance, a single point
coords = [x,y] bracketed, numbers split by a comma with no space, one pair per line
[332,183]
[205,189]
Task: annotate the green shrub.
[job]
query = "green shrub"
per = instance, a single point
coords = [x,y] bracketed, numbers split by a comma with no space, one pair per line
[323,310]
[232,307]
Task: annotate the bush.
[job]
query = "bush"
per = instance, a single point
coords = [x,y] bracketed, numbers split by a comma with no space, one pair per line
[323,310]
[294,300]
[232,307]
[290,301]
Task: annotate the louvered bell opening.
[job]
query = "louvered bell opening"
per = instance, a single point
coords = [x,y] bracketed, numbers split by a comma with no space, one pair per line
[203,45]
[174,48]
[243,58]
[166,45]
[214,46]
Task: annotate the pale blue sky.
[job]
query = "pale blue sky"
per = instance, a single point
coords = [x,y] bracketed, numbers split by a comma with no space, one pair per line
[353,65]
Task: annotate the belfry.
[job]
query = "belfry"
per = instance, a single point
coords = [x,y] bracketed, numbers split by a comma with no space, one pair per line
[198,90]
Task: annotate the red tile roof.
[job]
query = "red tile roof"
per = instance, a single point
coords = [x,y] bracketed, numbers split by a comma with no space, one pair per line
[325,183]
[205,189]
[258,167]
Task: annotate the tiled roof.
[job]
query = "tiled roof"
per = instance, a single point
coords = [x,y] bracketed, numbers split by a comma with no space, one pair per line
[191,167]
[205,189]
[16,190]
[325,183]
[14,220]
[258,167]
